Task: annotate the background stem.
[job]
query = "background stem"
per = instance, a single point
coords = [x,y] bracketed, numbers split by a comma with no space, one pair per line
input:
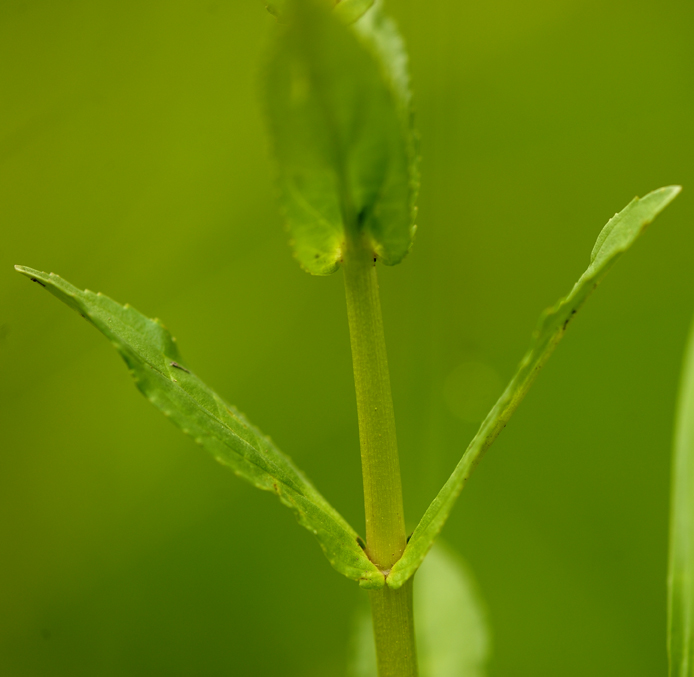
[385,522]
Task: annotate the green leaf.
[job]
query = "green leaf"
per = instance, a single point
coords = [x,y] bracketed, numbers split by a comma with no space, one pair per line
[616,237]
[450,622]
[151,353]
[338,104]
[681,564]
[348,11]
[351,10]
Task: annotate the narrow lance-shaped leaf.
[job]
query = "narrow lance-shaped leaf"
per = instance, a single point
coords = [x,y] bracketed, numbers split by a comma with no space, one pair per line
[151,353]
[614,239]
[338,104]
[449,618]
[681,565]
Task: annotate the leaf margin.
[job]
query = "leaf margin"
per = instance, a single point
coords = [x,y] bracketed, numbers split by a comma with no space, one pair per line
[356,566]
[613,240]
[325,193]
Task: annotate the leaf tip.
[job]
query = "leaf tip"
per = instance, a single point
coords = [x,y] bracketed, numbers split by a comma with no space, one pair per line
[671,192]
[662,197]
[33,275]
[625,226]
[24,270]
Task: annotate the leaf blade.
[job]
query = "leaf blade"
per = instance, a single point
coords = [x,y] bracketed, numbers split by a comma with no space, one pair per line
[348,11]
[351,10]
[680,631]
[615,238]
[160,374]
[338,108]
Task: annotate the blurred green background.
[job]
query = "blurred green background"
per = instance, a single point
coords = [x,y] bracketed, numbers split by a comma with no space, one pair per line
[133,161]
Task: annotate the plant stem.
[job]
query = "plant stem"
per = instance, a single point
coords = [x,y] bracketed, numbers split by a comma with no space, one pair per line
[385,523]
[394,631]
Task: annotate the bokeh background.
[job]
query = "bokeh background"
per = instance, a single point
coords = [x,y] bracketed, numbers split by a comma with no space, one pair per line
[133,160]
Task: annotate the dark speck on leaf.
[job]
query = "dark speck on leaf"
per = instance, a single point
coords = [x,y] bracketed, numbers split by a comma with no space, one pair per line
[33,279]
[566,321]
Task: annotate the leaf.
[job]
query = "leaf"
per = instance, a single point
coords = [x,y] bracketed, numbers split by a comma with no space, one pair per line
[339,113]
[151,353]
[348,11]
[450,622]
[351,10]
[681,564]
[616,237]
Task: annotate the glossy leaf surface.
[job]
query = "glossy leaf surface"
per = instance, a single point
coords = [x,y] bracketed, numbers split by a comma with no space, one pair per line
[161,375]
[681,564]
[450,622]
[338,106]
[614,239]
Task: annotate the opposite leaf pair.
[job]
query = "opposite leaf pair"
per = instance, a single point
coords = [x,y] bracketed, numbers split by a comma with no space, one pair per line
[160,373]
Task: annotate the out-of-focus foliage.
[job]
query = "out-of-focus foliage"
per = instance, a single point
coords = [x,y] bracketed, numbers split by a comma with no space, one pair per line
[681,570]
[133,156]
[347,10]
[339,113]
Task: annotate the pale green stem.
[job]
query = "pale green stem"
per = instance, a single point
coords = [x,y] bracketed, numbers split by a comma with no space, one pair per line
[385,523]
[394,631]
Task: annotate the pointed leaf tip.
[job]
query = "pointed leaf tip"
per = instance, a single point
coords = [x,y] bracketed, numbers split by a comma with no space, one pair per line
[623,228]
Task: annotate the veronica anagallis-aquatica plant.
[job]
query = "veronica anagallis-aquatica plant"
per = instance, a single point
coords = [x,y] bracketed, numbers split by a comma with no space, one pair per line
[338,104]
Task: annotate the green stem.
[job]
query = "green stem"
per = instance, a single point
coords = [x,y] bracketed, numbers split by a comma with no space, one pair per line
[394,631]
[385,523]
